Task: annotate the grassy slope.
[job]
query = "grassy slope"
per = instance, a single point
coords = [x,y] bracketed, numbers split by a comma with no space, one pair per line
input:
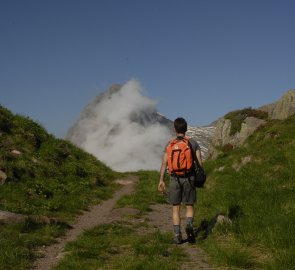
[50,177]
[260,199]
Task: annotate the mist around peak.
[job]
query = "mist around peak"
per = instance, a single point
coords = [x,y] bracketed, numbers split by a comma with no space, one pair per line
[121,129]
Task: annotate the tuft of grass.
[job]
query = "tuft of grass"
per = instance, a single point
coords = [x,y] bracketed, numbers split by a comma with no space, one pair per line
[118,246]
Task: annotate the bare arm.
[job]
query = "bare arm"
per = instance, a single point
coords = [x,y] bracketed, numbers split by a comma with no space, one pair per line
[162,186]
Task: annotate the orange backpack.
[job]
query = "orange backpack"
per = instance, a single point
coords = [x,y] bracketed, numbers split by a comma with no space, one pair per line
[180,157]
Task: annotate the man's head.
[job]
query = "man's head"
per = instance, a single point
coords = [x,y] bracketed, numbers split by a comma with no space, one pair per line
[180,125]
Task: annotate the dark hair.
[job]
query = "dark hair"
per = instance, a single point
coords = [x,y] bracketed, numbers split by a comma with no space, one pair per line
[180,125]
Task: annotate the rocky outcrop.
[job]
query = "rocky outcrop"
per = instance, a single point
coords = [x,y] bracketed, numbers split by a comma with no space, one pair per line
[283,108]
[223,127]
[222,132]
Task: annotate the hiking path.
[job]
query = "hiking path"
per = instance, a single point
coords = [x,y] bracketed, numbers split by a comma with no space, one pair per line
[105,212]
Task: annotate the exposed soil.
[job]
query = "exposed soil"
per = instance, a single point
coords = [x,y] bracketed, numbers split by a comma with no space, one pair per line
[159,218]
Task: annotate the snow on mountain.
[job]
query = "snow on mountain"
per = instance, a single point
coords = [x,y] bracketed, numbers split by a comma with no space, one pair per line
[203,136]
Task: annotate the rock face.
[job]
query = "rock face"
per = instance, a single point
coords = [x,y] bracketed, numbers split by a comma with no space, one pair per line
[222,132]
[283,108]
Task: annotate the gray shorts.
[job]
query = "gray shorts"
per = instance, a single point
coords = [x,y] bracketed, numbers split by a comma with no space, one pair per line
[181,190]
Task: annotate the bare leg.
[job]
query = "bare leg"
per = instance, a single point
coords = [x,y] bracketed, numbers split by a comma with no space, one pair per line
[176,214]
[189,211]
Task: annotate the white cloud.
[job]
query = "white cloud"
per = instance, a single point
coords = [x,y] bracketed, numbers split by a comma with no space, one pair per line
[120,133]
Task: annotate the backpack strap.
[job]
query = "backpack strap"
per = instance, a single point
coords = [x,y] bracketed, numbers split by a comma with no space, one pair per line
[194,155]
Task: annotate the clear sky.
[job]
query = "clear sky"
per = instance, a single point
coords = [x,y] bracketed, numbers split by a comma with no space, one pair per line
[199,58]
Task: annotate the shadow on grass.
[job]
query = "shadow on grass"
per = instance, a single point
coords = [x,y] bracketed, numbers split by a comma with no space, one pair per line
[207,225]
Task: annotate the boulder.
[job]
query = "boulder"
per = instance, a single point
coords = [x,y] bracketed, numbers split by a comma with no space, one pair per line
[3,177]
[8,217]
[16,152]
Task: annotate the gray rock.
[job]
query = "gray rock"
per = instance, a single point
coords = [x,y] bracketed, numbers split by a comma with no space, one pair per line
[283,108]
[3,177]
[8,217]
[237,166]
[16,152]
[222,132]
[248,128]
[221,219]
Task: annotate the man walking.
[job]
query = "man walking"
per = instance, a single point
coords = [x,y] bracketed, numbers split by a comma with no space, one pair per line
[180,155]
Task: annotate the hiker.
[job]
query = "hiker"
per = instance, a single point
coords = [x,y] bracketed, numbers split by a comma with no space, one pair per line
[181,185]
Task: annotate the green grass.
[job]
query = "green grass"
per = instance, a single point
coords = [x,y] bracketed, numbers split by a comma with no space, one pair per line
[118,246]
[54,178]
[50,177]
[259,198]
[19,241]
[145,194]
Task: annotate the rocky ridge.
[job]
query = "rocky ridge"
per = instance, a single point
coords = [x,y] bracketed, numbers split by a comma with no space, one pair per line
[280,109]
[283,108]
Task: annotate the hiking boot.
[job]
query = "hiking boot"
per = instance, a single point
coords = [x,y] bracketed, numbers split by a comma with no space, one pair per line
[190,234]
[177,239]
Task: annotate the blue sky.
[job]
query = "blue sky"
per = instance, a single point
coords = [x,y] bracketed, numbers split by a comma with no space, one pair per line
[199,58]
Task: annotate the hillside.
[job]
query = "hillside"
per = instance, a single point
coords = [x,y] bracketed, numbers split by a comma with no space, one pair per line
[253,185]
[250,186]
[47,179]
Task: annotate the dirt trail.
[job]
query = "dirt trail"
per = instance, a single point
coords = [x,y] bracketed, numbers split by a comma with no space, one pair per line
[97,214]
[159,218]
